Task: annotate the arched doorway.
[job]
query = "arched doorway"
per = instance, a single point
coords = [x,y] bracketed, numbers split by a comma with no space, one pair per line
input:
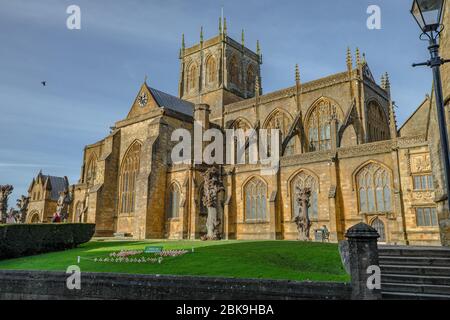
[378,225]
[35,218]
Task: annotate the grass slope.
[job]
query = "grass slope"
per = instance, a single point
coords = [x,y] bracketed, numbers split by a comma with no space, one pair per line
[240,259]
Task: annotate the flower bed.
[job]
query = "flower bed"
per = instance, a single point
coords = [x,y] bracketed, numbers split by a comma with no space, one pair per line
[139,256]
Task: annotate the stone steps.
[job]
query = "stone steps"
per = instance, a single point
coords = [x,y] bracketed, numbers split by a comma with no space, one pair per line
[415,272]
[423,280]
[416,288]
[415,261]
[413,296]
[440,252]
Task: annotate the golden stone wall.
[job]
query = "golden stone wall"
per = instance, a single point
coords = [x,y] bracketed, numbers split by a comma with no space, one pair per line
[334,171]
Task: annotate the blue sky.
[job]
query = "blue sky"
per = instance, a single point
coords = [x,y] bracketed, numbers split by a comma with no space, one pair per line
[94,74]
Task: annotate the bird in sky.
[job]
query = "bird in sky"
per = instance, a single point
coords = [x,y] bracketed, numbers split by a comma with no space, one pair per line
[44,83]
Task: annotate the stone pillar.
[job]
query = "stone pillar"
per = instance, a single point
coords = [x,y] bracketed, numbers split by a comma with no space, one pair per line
[334,133]
[194,211]
[201,114]
[273,215]
[363,252]
[226,218]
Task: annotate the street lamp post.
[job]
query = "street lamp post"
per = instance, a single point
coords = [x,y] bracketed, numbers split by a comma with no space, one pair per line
[428,14]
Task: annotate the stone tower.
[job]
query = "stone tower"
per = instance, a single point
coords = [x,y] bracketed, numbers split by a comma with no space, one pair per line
[218,71]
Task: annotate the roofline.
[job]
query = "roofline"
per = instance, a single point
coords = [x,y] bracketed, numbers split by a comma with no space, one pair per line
[417,109]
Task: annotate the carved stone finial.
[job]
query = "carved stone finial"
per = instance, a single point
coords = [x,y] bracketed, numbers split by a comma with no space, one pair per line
[362,231]
[387,82]
[225,26]
[383,82]
[349,59]
[220,25]
[297,74]
[201,34]
[358,57]
[258,51]
[243,38]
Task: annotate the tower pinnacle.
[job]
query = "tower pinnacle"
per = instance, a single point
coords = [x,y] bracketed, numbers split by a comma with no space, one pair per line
[349,59]
[358,57]
[225,26]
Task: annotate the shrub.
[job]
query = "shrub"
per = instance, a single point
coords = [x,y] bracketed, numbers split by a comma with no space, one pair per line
[18,240]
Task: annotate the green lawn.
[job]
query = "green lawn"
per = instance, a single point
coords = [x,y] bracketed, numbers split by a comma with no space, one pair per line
[240,259]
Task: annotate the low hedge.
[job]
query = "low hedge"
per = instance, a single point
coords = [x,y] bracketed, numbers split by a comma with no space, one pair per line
[18,240]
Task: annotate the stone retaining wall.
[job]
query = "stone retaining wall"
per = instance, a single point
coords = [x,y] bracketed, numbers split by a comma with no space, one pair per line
[52,285]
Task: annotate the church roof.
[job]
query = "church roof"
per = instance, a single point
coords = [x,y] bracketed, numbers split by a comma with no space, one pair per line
[57,184]
[168,101]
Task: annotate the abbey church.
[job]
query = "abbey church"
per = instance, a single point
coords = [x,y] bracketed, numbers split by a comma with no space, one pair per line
[339,137]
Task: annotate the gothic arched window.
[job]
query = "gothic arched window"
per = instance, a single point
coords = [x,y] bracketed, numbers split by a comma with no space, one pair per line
[35,218]
[302,181]
[377,122]
[374,189]
[280,120]
[211,70]
[128,174]
[192,78]
[234,71]
[173,202]
[255,200]
[241,126]
[251,79]
[378,225]
[319,125]
[91,171]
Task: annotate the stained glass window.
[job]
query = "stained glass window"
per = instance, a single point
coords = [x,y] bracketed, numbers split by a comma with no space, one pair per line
[255,200]
[91,171]
[173,206]
[319,126]
[128,175]
[426,217]
[281,121]
[374,189]
[423,182]
[378,225]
